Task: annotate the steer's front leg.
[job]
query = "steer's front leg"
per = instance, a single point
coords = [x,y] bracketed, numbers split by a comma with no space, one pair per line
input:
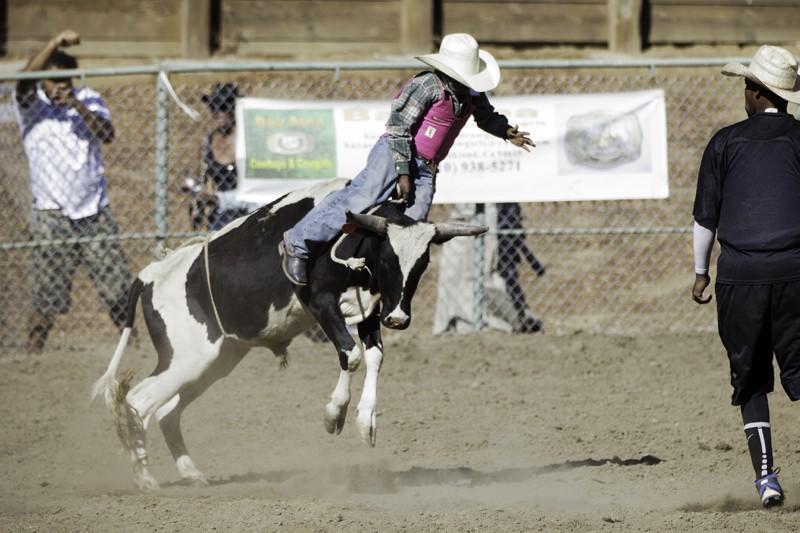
[367,420]
[325,308]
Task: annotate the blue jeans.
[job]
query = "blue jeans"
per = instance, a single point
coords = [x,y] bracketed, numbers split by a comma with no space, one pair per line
[372,186]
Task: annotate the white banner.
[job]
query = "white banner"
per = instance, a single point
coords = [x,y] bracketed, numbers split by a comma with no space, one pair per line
[588,147]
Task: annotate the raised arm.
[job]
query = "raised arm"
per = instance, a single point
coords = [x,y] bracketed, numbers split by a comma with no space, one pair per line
[26,89]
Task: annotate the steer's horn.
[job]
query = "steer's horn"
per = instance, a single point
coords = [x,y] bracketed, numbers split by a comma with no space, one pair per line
[446,231]
[370,222]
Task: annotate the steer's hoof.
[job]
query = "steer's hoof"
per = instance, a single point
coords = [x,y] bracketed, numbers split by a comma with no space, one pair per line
[368,429]
[196,480]
[146,482]
[198,483]
[190,475]
[334,418]
[368,436]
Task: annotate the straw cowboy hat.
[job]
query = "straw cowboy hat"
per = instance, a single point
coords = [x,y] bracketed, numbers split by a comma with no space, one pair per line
[772,67]
[460,58]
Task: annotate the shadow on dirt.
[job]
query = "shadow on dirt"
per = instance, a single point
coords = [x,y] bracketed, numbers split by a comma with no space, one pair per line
[361,481]
[278,476]
[730,504]
[375,479]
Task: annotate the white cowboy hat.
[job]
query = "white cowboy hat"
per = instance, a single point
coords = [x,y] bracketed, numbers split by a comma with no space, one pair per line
[460,58]
[772,67]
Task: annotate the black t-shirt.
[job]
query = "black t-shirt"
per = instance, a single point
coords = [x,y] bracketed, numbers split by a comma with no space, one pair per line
[748,189]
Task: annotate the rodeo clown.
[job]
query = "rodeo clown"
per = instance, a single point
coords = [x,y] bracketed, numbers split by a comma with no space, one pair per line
[426,116]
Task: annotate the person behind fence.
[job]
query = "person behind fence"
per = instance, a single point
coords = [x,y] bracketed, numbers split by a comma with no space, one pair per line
[62,129]
[216,204]
[426,116]
[747,196]
[511,248]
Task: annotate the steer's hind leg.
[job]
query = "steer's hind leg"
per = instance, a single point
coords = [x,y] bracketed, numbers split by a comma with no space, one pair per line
[149,396]
[169,415]
[169,419]
[367,419]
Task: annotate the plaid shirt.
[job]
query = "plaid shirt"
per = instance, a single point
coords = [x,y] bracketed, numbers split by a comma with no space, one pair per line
[416,98]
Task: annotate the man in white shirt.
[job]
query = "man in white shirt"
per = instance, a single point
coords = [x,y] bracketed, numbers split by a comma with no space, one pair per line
[62,131]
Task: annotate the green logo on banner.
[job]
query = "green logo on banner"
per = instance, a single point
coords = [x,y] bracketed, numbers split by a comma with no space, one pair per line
[290,143]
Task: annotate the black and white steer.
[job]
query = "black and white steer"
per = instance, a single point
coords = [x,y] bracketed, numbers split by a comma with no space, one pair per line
[208,303]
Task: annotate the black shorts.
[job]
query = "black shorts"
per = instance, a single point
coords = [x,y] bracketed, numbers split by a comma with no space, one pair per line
[755,322]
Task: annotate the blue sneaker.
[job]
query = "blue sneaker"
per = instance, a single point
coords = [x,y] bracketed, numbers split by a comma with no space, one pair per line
[770,490]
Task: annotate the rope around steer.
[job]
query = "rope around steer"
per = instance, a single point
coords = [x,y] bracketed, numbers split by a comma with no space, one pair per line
[208,283]
[206,240]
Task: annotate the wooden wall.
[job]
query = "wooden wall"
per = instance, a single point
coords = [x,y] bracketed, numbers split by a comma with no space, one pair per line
[539,21]
[323,28]
[112,28]
[287,27]
[725,22]
[626,25]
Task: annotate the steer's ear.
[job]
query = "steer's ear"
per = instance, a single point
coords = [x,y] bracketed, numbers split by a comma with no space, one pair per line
[446,231]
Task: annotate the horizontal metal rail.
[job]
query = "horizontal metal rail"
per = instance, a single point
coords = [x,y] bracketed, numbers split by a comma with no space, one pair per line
[151,235]
[184,67]
[154,235]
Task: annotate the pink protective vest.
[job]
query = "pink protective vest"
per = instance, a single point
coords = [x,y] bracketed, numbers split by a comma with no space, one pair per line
[435,135]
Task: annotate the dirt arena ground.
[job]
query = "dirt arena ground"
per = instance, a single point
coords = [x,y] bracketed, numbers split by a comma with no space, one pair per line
[490,432]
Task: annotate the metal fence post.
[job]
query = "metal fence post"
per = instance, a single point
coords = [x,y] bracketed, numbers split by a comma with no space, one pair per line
[478,290]
[162,165]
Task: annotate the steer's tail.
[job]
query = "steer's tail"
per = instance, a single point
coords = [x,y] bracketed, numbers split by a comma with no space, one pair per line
[108,384]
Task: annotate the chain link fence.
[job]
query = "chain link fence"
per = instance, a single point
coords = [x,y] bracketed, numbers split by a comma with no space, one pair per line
[611,266]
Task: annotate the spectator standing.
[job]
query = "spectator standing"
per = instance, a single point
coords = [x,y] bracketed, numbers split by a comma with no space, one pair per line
[62,130]
[511,248]
[748,190]
[426,116]
[216,204]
